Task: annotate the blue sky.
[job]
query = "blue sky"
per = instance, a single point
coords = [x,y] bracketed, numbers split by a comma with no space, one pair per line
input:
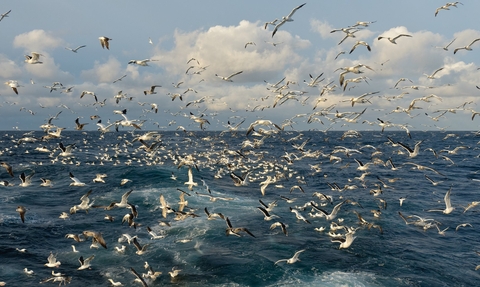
[215,34]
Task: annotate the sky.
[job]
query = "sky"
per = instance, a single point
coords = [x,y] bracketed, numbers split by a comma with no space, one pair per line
[215,33]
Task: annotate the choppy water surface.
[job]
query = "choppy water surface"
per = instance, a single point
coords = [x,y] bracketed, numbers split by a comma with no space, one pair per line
[397,254]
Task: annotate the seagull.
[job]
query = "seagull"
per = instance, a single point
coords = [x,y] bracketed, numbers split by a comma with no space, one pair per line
[239,180]
[85,263]
[78,125]
[190,181]
[123,202]
[448,206]
[468,47]
[270,23]
[313,81]
[463,225]
[28,272]
[151,91]
[119,79]
[282,225]
[104,42]
[298,215]
[33,59]
[174,272]
[84,205]
[7,167]
[140,249]
[235,231]
[228,79]
[358,43]
[76,49]
[448,45]
[139,278]
[345,242]
[287,18]
[113,283]
[89,93]
[26,179]
[291,260]
[4,15]
[393,40]
[432,76]
[435,183]
[153,234]
[21,210]
[249,43]
[213,215]
[267,215]
[52,261]
[14,85]
[97,237]
[100,177]
[328,216]
[411,153]
[141,62]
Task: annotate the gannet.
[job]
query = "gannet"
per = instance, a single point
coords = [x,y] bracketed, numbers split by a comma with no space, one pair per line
[287,18]
[76,181]
[190,183]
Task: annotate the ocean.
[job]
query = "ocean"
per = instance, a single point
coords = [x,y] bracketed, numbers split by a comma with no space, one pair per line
[315,170]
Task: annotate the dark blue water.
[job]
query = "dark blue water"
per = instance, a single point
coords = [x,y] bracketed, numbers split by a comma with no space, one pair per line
[401,255]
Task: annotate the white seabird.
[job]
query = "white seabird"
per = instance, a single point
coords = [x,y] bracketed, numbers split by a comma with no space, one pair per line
[393,40]
[76,49]
[448,205]
[33,59]
[76,181]
[85,263]
[287,18]
[104,42]
[229,78]
[52,261]
[293,259]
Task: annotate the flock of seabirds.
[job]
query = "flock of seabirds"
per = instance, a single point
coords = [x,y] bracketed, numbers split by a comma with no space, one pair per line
[246,166]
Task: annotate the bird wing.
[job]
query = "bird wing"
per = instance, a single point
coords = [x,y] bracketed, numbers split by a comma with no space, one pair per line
[295,10]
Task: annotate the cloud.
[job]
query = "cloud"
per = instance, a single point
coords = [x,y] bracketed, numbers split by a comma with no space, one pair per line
[105,72]
[10,70]
[37,41]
